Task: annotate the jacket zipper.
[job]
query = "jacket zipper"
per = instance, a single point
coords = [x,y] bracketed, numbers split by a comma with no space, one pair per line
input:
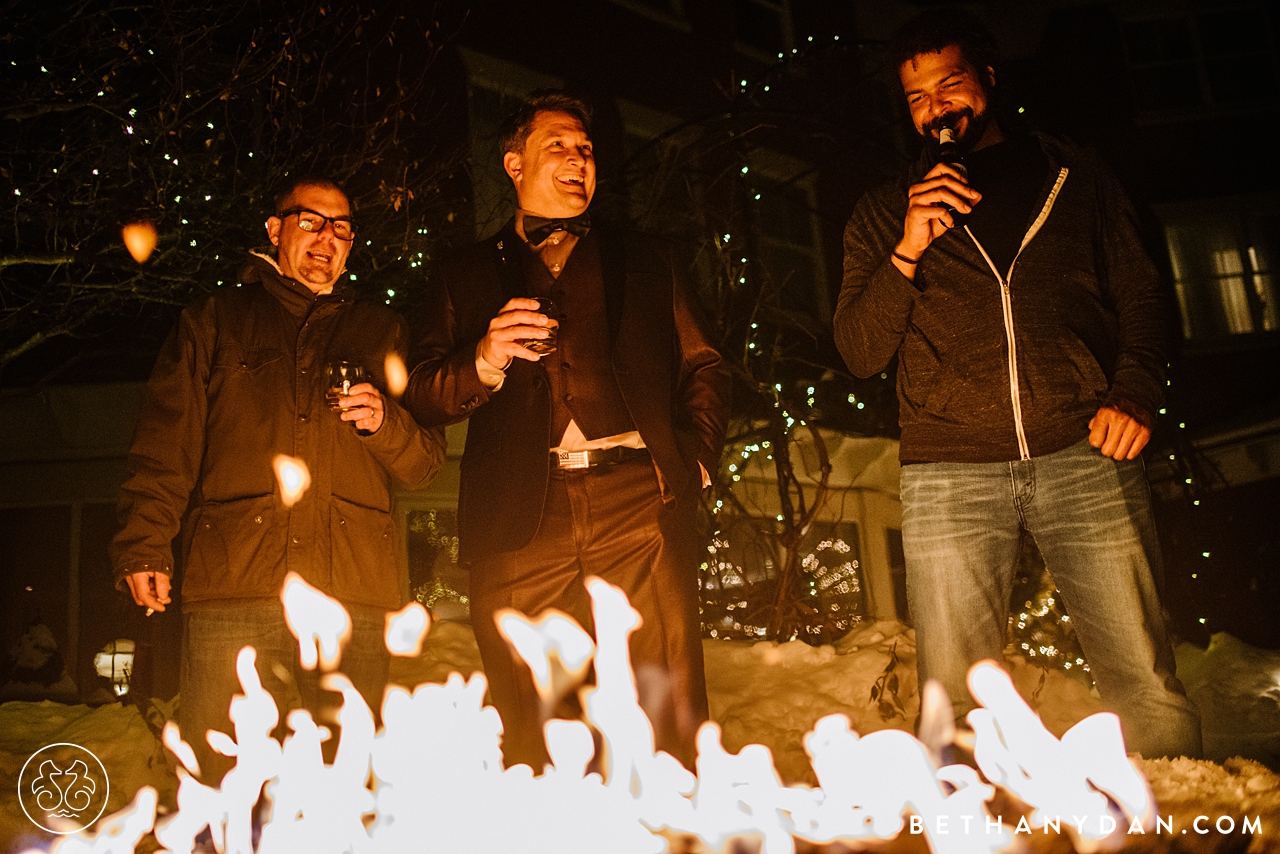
[1006,304]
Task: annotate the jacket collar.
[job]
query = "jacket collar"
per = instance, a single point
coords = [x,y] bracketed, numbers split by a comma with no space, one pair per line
[295,296]
[1059,152]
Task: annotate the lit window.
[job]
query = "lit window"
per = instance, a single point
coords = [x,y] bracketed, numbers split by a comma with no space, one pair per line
[1223,258]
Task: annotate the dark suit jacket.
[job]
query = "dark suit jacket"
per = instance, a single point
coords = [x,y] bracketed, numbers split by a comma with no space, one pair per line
[674,383]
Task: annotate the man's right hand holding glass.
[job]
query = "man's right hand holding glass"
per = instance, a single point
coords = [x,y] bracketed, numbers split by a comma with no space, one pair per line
[518,320]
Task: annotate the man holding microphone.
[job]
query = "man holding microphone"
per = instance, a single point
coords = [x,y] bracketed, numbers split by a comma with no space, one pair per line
[1031,344]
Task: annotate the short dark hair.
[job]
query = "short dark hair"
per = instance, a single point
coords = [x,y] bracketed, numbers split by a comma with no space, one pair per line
[935,29]
[513,133]
[292,185]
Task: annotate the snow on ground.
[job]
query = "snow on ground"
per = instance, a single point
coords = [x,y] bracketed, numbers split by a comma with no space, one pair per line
[117,734]
[772,694]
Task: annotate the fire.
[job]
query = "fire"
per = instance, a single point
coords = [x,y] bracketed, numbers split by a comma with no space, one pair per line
[406,629]
[321,625]
[396,373]
[432,778]
[293,476]
[140,239]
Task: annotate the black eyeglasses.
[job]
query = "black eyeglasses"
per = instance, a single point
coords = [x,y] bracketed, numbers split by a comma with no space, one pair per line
[314,223]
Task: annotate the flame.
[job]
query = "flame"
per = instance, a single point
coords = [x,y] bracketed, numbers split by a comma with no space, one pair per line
[318,622]
[293,476]
[432,777]
[140,239]
[396,373]
[406,630]
[1061,779]
[556,649]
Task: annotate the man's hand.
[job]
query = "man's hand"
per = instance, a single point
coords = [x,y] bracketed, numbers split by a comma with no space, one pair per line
[364,407]
[149,589]
[519,319]
[927,219]
[1118,435]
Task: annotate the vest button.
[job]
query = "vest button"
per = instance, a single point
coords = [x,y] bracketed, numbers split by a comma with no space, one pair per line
[303,418]
[568,397]
[564,366]
[296,541]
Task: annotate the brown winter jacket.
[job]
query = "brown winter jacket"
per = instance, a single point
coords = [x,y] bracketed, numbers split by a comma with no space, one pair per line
[239,381]
[998,366]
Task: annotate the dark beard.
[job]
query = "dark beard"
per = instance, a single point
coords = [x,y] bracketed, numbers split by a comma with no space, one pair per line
[973,132]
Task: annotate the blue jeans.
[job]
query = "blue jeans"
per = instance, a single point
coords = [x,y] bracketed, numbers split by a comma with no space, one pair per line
[212,636]
[1090,516]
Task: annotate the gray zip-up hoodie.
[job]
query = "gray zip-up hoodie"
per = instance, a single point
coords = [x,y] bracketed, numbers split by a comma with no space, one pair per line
[997,365]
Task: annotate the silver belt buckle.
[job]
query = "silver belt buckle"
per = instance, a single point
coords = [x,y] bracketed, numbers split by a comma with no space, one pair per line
[572,459]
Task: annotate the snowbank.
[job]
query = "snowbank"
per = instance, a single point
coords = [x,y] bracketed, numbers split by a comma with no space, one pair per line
[771,694]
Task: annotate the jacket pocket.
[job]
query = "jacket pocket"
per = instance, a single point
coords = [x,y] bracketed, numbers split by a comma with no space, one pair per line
[237,551]
[364,565]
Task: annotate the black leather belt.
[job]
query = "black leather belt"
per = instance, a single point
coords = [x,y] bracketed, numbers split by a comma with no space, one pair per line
[577,460]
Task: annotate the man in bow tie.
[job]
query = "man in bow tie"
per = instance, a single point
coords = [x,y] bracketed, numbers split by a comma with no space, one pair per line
[594,425]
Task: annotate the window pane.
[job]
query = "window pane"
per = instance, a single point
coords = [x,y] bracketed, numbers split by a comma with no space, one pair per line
[1240,79]
[1221,270]
[1166,40]
[1167,87]
[1264,287]
[1233,31]
[1235,304]
[758,25]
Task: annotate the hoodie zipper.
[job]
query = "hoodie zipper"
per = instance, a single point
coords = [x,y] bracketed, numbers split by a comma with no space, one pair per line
[1006,305]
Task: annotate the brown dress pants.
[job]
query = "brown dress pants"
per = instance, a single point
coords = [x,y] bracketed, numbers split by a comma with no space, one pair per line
[607,521]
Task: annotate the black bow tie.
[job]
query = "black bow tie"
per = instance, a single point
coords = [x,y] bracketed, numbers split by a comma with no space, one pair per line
[539,228]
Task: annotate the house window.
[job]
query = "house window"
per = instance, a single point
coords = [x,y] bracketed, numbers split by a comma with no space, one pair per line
[762,27]
[1223,257]
[495,88]
[1196,62]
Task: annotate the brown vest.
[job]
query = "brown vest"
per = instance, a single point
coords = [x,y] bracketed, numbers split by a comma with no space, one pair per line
[580,372]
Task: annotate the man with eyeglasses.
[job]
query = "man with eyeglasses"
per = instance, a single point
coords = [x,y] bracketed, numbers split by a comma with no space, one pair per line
[240,380]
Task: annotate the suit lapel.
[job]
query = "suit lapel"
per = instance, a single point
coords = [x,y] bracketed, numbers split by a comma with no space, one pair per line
[506,260]
[613,270]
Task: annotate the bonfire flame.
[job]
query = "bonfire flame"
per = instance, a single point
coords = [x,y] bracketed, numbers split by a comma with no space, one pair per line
[437,772]
[140,239]
[293,476]
[321,625]
[407,629]
[396,373]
